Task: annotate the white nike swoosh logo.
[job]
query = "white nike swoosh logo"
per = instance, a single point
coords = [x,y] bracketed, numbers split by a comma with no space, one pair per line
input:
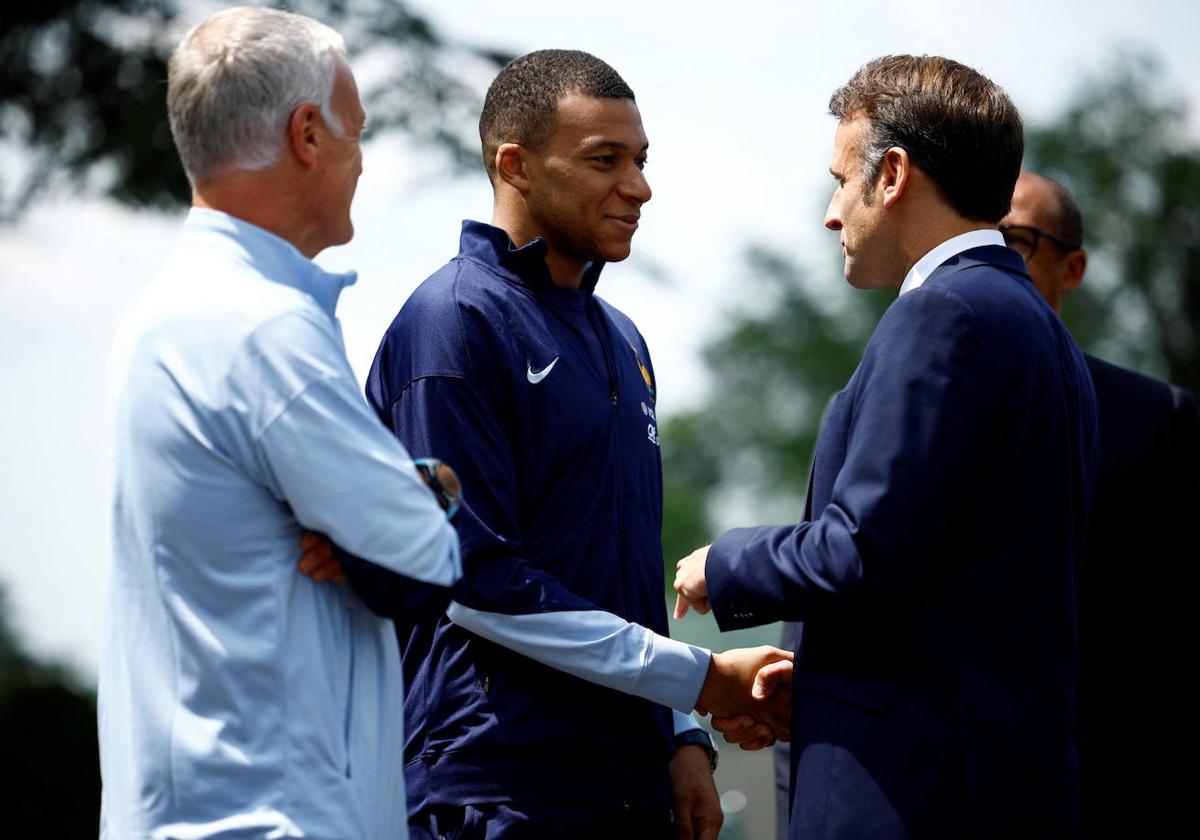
[535,378]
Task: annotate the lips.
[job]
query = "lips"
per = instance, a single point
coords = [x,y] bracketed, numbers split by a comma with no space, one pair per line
[628,222]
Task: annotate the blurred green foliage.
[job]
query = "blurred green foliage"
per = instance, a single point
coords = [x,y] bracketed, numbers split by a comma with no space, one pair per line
[772,371]
[83,90]
[50,774]
[1125,148]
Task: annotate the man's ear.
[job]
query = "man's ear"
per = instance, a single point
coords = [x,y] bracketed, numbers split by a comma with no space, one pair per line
[893,177]
[512,166]
[1076,265]
[302,135]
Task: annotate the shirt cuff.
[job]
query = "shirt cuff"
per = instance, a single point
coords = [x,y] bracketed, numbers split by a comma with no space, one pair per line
[684,721]
[674,673]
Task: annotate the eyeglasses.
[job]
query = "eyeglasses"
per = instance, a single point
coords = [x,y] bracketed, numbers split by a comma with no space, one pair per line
[1025,239]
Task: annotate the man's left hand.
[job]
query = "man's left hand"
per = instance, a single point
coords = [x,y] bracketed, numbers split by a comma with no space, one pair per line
[697,806]
[690,586]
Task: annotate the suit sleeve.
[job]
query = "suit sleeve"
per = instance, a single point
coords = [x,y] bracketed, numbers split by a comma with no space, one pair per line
[505,598]
[918,427]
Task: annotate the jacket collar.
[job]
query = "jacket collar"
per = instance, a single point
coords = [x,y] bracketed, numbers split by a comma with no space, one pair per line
[524,266]
[994,255]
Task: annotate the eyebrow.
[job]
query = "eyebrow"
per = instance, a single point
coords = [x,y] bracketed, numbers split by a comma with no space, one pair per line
[611,144]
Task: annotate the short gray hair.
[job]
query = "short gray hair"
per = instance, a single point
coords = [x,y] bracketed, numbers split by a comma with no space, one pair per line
[234,81]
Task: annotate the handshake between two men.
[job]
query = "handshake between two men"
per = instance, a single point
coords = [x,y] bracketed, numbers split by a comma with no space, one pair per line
[748,690]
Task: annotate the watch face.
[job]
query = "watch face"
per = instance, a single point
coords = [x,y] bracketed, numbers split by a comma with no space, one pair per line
[441,479]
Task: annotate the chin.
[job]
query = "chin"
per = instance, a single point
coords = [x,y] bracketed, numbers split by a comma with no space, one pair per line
[876,282]
[865,278]
[616,253]
[852,276]
[344,235]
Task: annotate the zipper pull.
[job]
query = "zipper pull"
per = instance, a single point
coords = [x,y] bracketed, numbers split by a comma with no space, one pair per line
[612,390]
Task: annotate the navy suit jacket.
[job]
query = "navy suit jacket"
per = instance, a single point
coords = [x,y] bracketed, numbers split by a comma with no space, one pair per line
[934,687]
[1136,609]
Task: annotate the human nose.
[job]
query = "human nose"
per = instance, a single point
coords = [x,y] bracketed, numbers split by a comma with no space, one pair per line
[635,187]
[833,213]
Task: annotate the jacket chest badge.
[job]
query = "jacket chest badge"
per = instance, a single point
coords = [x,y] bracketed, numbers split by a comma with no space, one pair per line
[646,377]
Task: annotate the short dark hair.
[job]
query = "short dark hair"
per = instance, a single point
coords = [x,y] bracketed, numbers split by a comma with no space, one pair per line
[1068,219]
[958,126]
[521,103]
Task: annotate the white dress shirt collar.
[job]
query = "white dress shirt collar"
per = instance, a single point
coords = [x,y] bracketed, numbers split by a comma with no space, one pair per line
[951,247]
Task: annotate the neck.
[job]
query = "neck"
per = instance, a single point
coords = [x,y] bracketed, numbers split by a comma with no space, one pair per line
[923,220]
[565,270]
[932,230]
[263,199]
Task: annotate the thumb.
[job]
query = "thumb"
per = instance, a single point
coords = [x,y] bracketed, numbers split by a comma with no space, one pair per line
[769,677]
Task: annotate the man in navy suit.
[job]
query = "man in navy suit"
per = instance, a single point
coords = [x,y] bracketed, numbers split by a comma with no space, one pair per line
[1147,489]
[933,690]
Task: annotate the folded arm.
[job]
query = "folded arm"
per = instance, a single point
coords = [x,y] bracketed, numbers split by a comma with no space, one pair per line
[330,460]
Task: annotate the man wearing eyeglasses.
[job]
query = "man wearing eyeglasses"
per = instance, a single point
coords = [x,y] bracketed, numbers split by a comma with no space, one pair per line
[1147,488]
[1046,227]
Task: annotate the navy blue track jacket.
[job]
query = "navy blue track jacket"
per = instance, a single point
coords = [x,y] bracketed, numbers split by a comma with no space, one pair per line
[542,398]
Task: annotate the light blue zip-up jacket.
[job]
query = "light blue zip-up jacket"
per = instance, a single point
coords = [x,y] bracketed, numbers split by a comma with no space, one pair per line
[238,698]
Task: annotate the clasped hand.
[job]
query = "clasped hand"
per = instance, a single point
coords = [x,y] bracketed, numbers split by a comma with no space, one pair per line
[747,691]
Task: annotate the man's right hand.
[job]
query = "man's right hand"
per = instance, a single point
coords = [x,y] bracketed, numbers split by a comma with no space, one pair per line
[774,681]
[732,690]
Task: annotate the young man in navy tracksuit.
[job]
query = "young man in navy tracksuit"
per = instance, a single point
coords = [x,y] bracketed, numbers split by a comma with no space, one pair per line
[538,706]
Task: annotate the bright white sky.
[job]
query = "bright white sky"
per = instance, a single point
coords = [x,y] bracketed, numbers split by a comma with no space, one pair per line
[733,98]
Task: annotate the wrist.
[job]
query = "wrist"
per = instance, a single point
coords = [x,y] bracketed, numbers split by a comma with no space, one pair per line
[710,696]
[698,738]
